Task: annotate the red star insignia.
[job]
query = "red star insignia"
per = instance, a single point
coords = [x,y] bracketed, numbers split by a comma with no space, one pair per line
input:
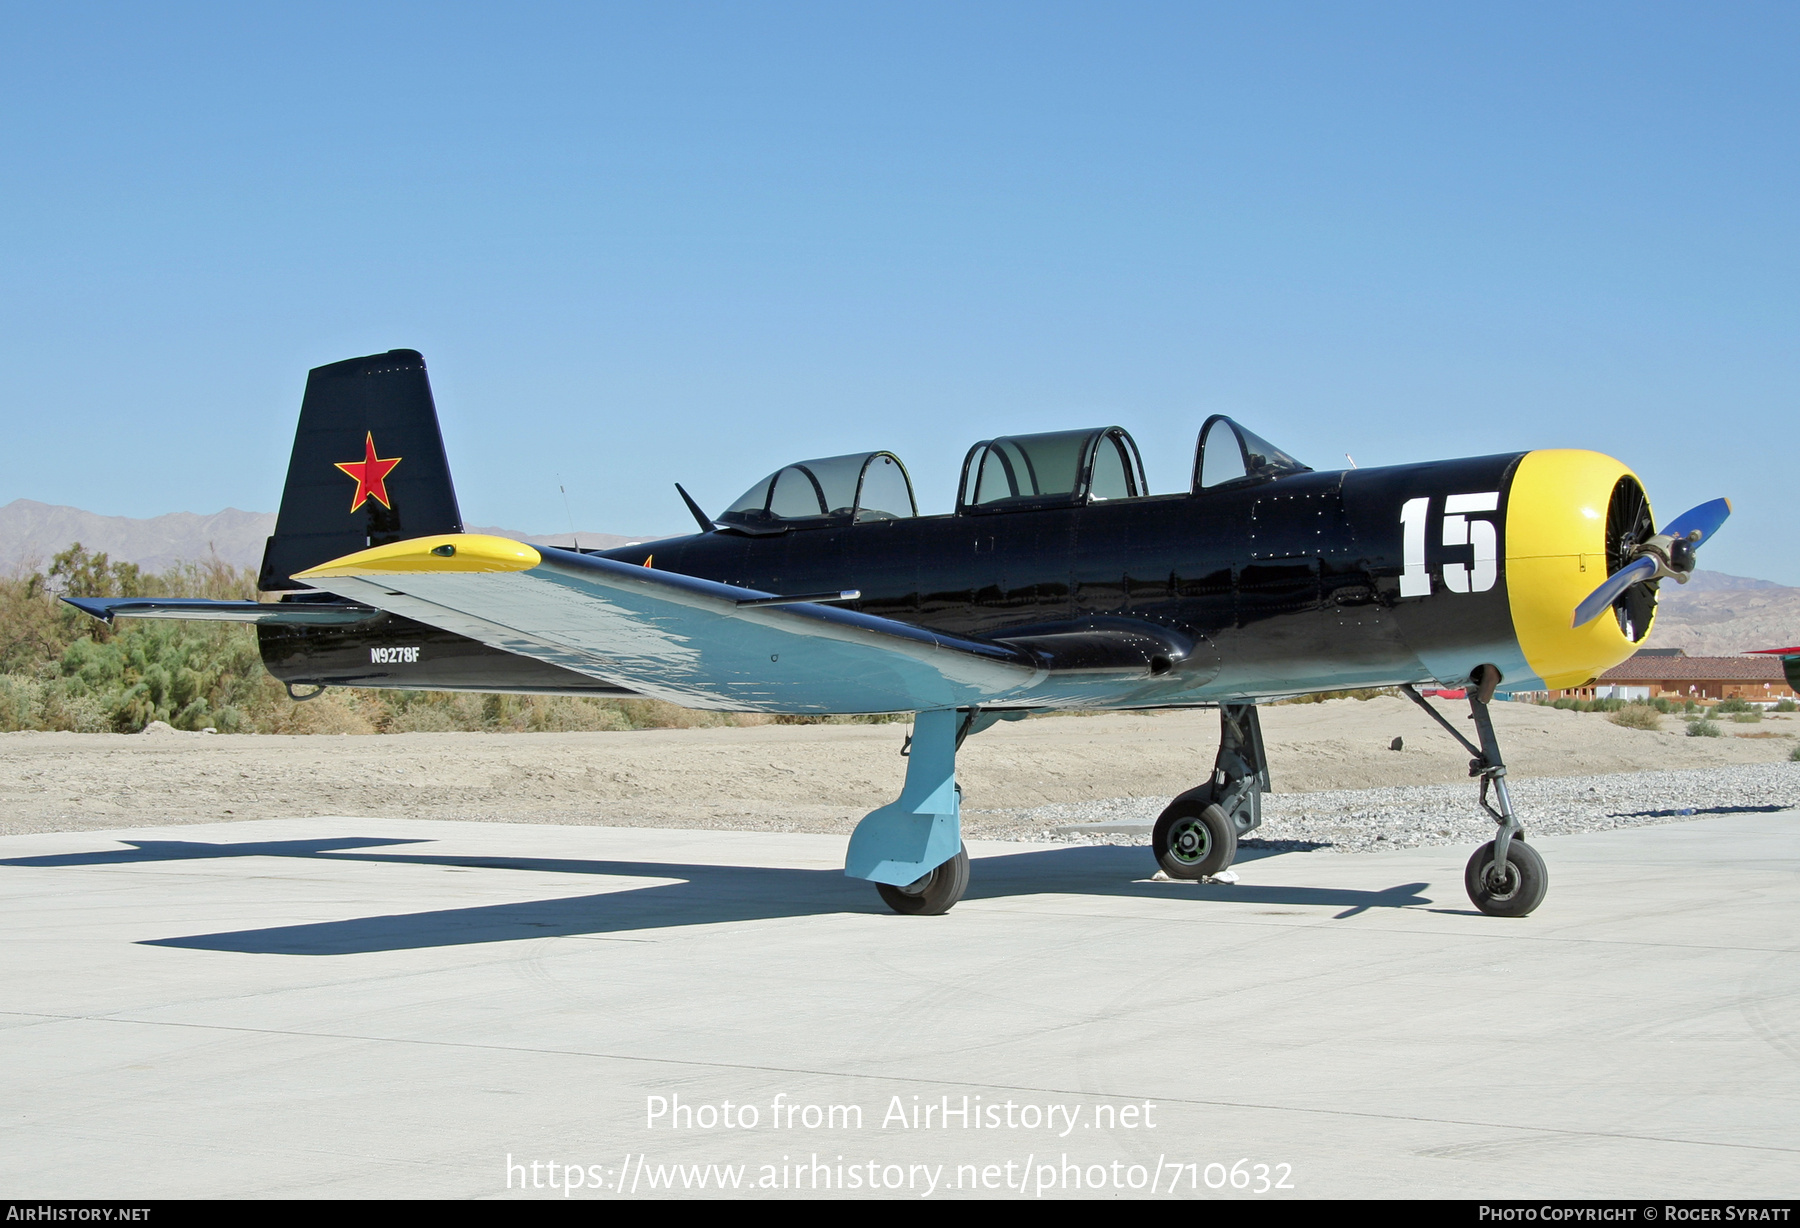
[371,475]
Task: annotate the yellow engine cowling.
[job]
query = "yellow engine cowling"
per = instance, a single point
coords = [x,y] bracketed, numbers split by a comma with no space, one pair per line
[1555,556]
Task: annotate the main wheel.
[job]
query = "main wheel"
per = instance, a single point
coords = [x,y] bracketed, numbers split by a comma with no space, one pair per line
[1516,893]
[933,894]
[1193,839]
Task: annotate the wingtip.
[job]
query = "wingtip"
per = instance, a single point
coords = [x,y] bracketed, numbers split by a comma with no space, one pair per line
[445,552]
[98,607]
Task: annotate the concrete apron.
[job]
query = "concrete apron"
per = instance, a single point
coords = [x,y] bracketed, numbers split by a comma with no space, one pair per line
[362,1007]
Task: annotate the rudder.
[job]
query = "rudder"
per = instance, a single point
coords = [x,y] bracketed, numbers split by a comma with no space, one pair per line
[368,466]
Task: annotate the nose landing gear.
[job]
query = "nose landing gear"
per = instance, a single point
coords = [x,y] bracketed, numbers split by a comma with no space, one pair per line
[1506,877]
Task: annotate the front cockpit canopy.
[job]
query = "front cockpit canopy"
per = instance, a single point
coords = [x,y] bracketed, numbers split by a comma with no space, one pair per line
[1229,455]
[1056,469]
[831,491]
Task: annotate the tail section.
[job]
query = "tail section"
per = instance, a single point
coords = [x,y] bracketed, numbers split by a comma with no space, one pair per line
[368,466]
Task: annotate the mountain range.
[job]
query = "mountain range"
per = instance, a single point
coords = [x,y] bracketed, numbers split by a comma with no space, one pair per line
[1714,614]
[32,533]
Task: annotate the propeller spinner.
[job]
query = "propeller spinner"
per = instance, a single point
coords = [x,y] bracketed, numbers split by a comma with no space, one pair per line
[1669,553]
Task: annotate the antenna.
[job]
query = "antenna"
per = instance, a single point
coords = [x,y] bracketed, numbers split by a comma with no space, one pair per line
[1351,459]
[700,517]
[573,540]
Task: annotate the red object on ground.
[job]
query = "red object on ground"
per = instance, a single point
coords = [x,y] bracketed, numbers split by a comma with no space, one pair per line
[1463,694]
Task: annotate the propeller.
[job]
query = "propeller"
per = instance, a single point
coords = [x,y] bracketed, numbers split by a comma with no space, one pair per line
[1669,553]
[1703,520]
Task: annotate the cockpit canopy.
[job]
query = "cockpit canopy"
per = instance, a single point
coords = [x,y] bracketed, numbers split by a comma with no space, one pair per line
[1229,455]
[1057,469]
[832,491]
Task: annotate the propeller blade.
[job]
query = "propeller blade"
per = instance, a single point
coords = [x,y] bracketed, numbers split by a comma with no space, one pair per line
[1707,518]
[1596,603]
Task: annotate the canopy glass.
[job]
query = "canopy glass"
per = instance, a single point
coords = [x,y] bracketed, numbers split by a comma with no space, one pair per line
[1056,469]
[1229,455]
[833,490]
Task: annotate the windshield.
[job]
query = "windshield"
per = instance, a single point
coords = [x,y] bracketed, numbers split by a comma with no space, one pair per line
[1263,458]
[1228,453]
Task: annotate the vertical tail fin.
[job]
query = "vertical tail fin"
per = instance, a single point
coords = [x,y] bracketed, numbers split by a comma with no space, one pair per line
[368,466]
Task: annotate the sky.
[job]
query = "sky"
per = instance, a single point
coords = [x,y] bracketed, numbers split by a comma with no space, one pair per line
[648,243]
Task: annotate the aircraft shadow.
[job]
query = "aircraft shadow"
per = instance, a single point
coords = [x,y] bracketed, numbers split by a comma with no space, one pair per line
[1685,812]
[704,894]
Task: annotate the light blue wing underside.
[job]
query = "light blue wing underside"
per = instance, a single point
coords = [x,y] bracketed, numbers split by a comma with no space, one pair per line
[687,641]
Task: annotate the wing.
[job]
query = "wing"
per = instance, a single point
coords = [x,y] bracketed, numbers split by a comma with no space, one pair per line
[690,641]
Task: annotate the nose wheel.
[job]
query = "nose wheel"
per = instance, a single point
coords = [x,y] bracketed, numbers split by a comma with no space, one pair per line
[1512,890]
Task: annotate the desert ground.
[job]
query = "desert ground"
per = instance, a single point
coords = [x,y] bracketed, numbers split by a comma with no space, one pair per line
[804,778]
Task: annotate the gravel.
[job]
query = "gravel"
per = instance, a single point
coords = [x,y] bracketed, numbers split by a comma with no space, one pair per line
[1364,820]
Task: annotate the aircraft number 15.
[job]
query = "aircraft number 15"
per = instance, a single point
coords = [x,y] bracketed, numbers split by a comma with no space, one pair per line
[1477,576]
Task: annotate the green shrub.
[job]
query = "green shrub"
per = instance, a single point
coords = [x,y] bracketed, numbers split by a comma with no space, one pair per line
[1319,697]
[1690,706]
[1665,706]
[1637,716]
[1747,718]
[1795,754]
[1702,729]
[62,670]
[1734,704]
[1787,705]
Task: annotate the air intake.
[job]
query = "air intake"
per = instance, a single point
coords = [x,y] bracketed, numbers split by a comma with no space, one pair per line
[1628,526]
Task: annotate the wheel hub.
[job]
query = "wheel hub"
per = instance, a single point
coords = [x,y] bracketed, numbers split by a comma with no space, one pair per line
[1502,884]
[918,885]
[1190,841]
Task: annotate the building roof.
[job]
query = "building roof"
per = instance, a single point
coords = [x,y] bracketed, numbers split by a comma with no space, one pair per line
[1643,668]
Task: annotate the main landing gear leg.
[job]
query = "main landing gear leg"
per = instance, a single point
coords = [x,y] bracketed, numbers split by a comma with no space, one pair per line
[912,849]
[1197,835]
[1506,877]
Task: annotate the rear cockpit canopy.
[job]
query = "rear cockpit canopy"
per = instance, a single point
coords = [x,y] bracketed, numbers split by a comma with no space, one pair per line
[1229,455]
[1058,469]
[836,490]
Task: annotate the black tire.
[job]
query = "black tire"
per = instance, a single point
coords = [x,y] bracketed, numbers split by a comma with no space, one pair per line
[933,895]
[1527,879]
[1193,839]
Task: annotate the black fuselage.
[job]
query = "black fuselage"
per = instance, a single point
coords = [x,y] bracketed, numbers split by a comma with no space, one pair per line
[1288,584]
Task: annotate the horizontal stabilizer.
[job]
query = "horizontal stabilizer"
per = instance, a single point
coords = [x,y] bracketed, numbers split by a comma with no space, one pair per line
[286,613]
